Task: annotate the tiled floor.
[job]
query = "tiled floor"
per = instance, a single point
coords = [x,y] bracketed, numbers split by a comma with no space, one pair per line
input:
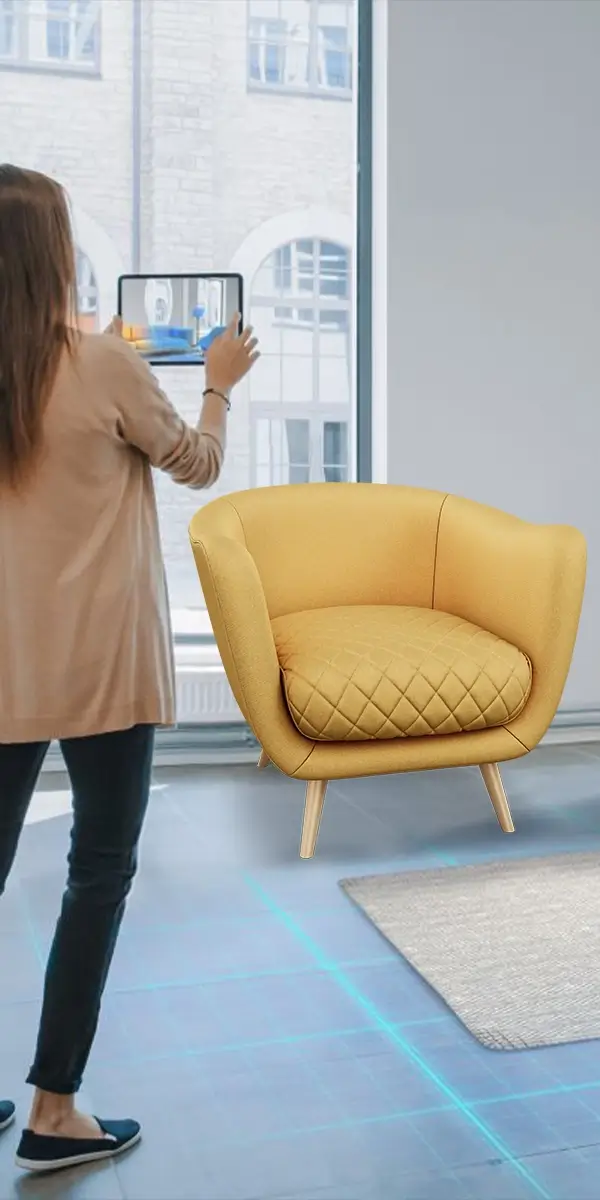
[270,1040]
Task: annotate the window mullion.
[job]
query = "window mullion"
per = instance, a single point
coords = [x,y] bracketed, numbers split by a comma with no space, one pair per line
[295,277]
[316,321]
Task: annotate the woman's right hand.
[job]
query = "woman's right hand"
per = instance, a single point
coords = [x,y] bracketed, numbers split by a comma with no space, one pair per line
[230,357]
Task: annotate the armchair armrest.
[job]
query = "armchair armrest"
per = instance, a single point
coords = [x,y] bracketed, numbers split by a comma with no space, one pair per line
[238,611]
[524,583]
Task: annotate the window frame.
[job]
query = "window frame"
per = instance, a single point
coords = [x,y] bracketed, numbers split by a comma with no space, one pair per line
[315,52]
[28,13]
[317,416]
[315,303]
[362,307]
[298,299]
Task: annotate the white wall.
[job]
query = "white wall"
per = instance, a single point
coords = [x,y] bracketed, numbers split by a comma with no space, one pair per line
[494,265]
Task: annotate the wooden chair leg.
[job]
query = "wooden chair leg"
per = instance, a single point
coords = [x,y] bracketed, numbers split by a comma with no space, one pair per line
[263,761]
[495,787]
[313,810]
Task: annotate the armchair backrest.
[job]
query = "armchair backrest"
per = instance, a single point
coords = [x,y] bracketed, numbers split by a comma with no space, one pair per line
[321,545]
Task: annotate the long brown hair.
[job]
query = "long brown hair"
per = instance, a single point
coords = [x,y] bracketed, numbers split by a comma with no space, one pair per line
[37,290]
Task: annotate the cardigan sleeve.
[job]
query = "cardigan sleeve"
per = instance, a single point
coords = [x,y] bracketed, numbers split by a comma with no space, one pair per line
[192,455]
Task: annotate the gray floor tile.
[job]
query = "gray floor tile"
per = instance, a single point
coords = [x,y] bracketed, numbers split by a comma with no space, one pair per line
[98,1182]
[272,1043]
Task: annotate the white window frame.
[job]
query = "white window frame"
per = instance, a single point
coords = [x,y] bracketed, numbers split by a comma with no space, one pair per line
[30,49]
[297,300]
[380,394]
[303,60]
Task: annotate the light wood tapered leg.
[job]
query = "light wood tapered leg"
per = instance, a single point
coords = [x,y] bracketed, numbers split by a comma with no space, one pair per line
[263,761]
[313,811]
[493,782]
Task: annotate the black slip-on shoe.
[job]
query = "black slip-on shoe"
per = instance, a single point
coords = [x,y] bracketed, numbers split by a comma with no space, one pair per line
[7,1114]
[37,1152]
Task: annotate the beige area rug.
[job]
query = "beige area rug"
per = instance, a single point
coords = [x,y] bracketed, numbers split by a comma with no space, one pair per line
[513,947]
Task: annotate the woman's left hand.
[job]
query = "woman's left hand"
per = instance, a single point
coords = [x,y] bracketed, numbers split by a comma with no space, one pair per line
[115,327]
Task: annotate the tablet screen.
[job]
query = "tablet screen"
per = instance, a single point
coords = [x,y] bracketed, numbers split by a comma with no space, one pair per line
[171,320]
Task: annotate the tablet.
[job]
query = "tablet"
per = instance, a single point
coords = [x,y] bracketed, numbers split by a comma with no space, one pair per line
[171,320]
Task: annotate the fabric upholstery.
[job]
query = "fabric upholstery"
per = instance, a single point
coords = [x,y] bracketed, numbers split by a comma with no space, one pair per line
[364,673]
[274,552]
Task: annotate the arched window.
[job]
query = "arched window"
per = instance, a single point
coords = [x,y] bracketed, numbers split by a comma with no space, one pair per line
[300,392]
[87,293]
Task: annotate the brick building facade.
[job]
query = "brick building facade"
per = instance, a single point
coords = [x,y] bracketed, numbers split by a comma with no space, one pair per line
[207,135]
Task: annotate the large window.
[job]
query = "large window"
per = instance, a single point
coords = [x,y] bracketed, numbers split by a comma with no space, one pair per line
[170,171]
[304,45]
[61,35]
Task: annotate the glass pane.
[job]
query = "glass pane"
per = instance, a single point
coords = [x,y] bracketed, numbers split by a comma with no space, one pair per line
[296,336]
[58,28]
[267,51]
[254,173]
[8,29]
[298,474]
[268,10]
[334,381]
[335,451]
[298,439]
[266,377]
[86,30]
[297,380]
[335,46]
[282,451]
[334,270]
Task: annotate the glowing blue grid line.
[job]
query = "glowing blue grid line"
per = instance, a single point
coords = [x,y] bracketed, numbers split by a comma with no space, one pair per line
[293,1039]
[396,1037]
[31,929]
[194,981]
[561,1089]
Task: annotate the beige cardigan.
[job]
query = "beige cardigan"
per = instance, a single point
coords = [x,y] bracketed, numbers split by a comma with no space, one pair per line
[85,637]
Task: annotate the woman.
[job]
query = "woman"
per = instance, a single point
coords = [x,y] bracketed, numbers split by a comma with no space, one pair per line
[85,641]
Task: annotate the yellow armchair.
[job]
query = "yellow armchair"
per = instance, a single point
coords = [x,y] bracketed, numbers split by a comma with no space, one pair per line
[367,629]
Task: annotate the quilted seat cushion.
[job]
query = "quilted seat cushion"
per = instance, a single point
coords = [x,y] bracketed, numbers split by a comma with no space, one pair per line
[363,673]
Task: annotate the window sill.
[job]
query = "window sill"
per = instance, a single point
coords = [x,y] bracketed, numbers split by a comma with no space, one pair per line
[293,89]
[65,69]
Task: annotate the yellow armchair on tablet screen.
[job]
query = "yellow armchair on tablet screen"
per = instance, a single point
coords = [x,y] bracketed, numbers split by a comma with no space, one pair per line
[369,629]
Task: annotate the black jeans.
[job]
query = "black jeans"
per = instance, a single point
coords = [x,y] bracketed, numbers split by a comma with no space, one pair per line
[110,777]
